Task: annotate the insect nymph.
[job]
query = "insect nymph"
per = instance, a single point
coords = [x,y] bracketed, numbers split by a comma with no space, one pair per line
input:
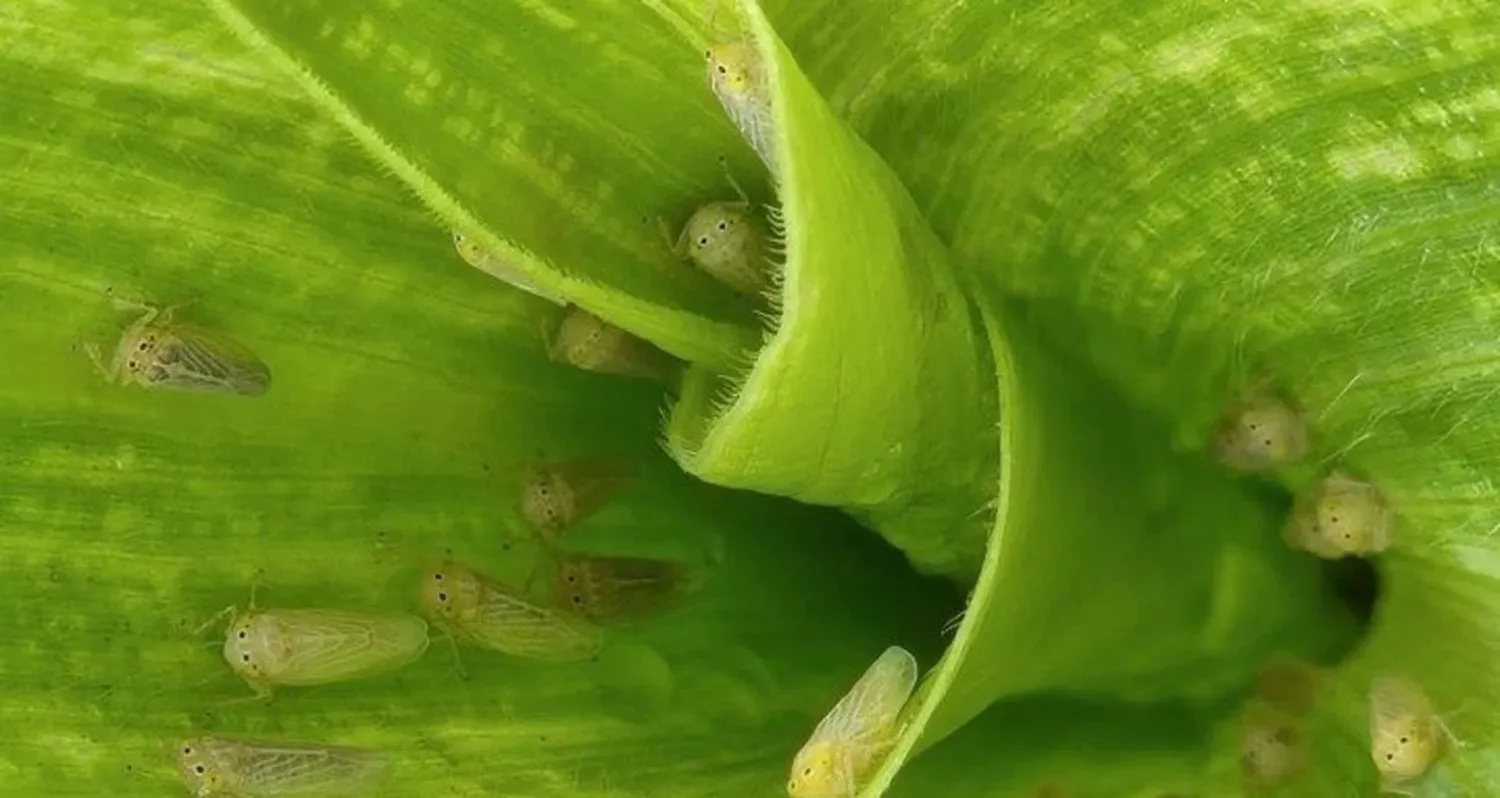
[217,766]
[156,352]
[859,730]
[477,610]
[303,647]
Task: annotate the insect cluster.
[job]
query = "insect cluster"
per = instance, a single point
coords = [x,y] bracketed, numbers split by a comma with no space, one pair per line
[272,648]
[1339,515]
[727,239]
[305,647]
[1335,515]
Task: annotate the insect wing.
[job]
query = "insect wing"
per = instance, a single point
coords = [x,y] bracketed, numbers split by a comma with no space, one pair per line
[194,359]
[738,79]
[281,769]
[1393,698]
[868,712]
[619,588]
[507,623]
[1288,684]
[325,646]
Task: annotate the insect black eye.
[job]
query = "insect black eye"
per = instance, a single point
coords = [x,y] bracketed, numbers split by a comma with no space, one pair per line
[578,599]
[572,579]
[723,70]
[199,769]
[723,225]
[438,577]
[246,657]
[187,750]
[243,634]
[442,597]
[703,242]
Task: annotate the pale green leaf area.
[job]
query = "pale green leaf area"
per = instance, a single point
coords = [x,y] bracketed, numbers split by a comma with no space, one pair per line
[1187,191]
[1030,249]
[407,390]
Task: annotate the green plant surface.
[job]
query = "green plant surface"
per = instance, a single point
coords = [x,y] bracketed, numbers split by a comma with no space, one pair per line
[407,388]
[1031,249]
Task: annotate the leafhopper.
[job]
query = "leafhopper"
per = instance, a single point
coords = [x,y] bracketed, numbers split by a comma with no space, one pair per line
[859,730]
[479,611]
[157,352]
[218,766]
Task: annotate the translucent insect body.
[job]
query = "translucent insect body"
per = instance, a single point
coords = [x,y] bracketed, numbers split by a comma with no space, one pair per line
[306,647]
[857,732]
[588,342]
[492,264]
[1259,432]
[738,78]
[157,353]
[216,766]
[1341,517]
[1406,734]
[555,495]
[1272,750]
[477,610]
[610,589]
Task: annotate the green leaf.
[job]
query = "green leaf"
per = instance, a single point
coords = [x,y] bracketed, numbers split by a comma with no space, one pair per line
[406,390]
[874,392]
[1031,249]
[499,155]
[1182,191]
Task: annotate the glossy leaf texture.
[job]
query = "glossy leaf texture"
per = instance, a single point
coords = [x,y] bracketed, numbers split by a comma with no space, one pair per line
[1032,247]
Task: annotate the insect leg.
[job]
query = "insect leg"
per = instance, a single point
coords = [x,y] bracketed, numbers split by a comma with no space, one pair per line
[675,244]
[458,660]
[219,617]
[261,694]
[744,198]
[92,350]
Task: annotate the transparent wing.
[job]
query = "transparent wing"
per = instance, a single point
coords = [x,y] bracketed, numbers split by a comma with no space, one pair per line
[1395,698]
[280,769]
[752,114]
[870,708]
[195,359]
[328,645]
[620,588]
[508,623]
